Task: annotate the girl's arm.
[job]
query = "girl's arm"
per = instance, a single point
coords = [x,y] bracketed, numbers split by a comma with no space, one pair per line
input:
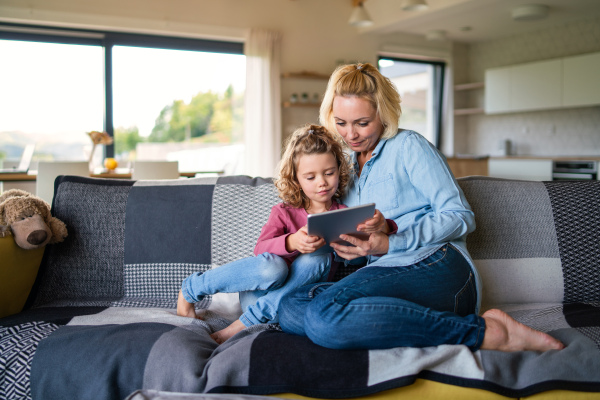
[273,234]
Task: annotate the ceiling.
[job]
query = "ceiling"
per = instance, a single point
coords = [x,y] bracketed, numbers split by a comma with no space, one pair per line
[473,20]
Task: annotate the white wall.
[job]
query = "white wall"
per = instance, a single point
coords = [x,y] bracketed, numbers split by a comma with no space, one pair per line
[571,132]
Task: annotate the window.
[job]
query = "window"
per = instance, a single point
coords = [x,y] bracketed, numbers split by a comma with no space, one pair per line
[50,95]
[420,85]
[161,98]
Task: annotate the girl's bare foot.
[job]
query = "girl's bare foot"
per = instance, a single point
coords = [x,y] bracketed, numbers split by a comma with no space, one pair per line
[504,333]
[224,334]
[185,309]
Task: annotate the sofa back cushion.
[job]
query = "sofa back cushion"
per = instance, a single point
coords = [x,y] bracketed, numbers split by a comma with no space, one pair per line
[535,242]
[131,243]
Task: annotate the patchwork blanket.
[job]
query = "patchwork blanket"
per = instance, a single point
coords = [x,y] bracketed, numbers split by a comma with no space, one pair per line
[102,321]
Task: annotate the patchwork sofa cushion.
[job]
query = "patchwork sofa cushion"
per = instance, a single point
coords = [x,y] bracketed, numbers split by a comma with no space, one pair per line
[153,235]
[535,242]
[148,243]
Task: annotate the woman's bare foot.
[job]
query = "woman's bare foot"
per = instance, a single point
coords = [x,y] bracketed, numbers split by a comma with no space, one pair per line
[224,334]
[185,309]
[503,333]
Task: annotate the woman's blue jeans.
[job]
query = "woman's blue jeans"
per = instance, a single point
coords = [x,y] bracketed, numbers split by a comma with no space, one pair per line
[426,304]
[262,281]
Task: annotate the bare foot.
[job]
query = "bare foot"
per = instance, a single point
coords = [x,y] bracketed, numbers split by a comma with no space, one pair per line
[224,334]
[503,333]
[185,309]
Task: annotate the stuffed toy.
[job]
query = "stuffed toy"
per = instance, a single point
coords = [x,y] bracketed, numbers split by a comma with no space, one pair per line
[28,219]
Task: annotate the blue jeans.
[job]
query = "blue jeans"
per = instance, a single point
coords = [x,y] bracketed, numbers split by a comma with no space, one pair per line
[426,304]
[262,281]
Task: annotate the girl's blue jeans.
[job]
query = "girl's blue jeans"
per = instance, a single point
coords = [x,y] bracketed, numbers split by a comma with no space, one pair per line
[261,281]
[426,304]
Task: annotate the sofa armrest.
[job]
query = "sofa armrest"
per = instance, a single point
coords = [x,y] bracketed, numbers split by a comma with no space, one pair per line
[18,271]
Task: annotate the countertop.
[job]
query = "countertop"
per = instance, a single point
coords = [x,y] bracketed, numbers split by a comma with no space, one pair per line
[527,157]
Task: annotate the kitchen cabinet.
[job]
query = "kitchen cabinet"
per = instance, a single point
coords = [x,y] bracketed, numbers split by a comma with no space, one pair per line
[468,166]
[581,82]
[524,169]
[497,95]
[544,85]
[527,87]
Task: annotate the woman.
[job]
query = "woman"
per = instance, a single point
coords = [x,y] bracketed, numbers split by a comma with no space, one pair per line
[419,286]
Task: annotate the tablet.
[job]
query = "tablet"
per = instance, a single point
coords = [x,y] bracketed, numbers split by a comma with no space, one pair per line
[331,224]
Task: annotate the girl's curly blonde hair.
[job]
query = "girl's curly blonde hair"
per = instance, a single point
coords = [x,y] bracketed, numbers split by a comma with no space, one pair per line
[310,139]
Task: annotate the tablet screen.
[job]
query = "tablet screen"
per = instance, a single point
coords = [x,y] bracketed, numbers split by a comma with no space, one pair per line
[331,224]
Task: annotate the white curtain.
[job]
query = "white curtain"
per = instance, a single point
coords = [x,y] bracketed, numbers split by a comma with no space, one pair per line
[262,113]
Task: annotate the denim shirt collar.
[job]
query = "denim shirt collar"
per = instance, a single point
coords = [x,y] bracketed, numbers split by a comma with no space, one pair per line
[368,164]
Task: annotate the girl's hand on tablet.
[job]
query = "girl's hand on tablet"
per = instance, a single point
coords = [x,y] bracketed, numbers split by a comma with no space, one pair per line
[303,242]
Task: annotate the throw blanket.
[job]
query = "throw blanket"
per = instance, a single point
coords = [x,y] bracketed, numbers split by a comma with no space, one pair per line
[103,323]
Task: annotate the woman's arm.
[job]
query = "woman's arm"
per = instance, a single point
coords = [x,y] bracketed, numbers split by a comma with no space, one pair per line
[444,217]
[448,215]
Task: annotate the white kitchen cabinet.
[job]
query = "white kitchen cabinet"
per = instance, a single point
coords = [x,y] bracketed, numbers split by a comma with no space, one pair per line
[525,169]
[497,94]
[536,86]
[581,80]
[526,87]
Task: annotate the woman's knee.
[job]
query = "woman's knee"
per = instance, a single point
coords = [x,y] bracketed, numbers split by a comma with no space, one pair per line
[272,269]
[322,322]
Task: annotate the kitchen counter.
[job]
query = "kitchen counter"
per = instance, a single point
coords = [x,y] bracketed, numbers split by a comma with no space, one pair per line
[552,158]
[527,167]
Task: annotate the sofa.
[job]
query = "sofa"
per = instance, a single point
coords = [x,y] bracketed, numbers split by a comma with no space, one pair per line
[100,320]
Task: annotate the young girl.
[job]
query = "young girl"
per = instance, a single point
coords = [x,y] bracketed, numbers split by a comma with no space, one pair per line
[312,176]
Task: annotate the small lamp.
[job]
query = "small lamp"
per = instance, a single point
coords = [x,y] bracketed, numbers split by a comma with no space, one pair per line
[359,16]
[414,5]
[530,12]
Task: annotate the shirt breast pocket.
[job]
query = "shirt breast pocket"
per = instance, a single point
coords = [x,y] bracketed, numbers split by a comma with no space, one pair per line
[382,191]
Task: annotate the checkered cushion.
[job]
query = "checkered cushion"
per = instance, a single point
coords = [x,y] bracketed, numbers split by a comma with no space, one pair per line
[535,242]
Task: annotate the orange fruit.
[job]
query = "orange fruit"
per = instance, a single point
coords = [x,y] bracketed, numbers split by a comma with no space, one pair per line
[110,163]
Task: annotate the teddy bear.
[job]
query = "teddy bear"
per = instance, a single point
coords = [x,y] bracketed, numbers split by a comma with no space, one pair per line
[28,219]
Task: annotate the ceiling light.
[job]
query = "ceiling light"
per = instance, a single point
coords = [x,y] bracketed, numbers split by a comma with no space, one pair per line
[436,35]
[530,12]
[360,17]
[414,5]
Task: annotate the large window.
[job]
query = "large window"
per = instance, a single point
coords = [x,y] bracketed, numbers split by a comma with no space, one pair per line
[161,98]
[420,84]
[50,95]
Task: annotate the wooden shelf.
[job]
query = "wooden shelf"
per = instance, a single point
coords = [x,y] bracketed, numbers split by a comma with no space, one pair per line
[469,86]
[304,75]
[468,111]
[287,104]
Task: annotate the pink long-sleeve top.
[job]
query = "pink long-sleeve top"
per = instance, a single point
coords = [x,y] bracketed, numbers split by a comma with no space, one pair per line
[283,221]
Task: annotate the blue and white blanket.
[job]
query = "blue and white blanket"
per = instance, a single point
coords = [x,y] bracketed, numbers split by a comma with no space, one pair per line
[102,323]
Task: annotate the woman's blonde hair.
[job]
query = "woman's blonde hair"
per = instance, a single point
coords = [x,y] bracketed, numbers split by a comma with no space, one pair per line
[366,82]
[310,139]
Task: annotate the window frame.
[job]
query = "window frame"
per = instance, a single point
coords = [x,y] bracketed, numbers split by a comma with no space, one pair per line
[439,73]
[108,39]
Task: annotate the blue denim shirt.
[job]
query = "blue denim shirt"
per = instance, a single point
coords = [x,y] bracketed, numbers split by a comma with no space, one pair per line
[409,181]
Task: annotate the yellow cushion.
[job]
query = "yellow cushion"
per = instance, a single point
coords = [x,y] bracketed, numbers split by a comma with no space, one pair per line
[18,271]
[421,390]
[563,394]
[429,390]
